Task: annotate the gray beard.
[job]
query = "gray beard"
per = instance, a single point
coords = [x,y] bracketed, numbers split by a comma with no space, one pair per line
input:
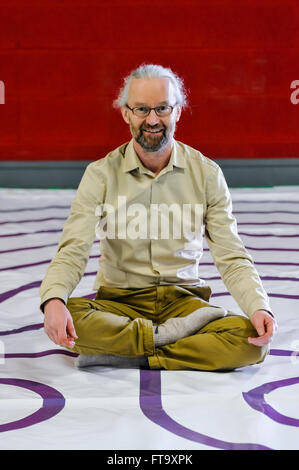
[152,147]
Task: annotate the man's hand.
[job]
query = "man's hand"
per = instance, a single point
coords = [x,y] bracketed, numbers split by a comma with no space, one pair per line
[58,323]
[265,326]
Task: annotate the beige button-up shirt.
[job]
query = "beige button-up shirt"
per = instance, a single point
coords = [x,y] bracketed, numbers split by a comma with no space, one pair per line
[151,228]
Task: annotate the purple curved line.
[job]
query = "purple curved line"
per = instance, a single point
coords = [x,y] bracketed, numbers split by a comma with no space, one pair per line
[271,249]
[27,248]
[35,326]
[256,399]
[11,293]
[49,352]
[276,264]
[283,296]
[282,352]
[264,202]
[38,246]
[19,266]
[53,403]
[268,235]
[33,209]
[151,405]
[31,220]
[6,235]
[31,285]
[280,296]
[264,278]
[268,223]
[266,212]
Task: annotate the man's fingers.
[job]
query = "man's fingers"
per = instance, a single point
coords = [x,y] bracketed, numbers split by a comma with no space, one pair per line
[60,339]
[71,329]
[260,340]
[65,341]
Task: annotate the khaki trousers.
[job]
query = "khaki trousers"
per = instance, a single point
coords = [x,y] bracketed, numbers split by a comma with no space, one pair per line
[119,322]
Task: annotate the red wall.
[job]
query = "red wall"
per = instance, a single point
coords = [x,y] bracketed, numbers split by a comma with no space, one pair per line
[62,63]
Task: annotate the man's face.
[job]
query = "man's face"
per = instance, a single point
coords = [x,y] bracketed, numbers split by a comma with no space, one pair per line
[152,132]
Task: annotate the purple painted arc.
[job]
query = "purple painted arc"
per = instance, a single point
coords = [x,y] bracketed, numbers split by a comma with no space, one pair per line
[267,212]
[268,223]
[31,285]
[53,403]
[264,278]
[270,249]
[39,246]
[11,293]
[27,248]
[295,235]
[6,235]
[265,202]
[256,399]
[24,209]
[151,406]
[283,352]
[36,355]
[28,265]
[31,220]
[37,263]
[279,296]
[35,326]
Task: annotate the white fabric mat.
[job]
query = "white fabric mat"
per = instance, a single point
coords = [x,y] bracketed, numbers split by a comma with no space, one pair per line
[46,403]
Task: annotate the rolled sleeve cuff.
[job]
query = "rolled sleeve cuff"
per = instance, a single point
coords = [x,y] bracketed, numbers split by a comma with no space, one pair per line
[54,294]
[260,305]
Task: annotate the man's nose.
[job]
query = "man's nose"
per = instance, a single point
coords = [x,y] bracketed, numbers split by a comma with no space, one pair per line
[152,118]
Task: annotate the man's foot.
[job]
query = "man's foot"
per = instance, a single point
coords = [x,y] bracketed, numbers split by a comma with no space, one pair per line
[109,360]
[177,328]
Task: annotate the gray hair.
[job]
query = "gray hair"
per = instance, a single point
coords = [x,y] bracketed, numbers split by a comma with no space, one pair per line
[152,71]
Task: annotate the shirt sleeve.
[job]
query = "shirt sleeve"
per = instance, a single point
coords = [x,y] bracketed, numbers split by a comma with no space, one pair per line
[233,262]
[67,267]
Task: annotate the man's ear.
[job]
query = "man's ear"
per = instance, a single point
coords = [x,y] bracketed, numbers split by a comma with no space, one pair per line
[125,114]
[178,114]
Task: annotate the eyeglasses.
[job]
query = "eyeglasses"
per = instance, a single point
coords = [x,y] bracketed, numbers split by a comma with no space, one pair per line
[143,111]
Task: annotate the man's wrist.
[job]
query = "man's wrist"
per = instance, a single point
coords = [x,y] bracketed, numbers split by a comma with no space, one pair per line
[50,300]
[264,311]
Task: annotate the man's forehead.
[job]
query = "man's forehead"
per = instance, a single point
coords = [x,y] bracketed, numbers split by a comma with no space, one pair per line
[149,90]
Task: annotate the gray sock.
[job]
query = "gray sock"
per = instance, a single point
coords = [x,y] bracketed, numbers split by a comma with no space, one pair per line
[109,360]
[177,328]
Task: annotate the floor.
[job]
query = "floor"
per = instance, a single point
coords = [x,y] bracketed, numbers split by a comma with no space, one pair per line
[46,403]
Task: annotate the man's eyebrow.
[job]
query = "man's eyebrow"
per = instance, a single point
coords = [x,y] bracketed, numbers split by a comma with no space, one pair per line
[138,104]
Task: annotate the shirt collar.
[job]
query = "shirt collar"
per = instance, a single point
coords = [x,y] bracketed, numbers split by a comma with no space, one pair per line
[131,160]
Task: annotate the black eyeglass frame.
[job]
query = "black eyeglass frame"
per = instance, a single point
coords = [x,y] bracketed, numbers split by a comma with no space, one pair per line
[150,109]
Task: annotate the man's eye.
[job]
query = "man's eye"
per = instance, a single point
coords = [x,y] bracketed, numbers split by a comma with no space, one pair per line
[142,109]
[160,109]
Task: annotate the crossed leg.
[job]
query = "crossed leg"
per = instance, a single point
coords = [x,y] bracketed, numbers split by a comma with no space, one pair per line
[106,327]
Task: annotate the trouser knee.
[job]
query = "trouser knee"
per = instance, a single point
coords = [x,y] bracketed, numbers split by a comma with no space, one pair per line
[252,354]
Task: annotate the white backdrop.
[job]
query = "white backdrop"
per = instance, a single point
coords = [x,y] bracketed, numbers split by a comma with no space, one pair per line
[46,403]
